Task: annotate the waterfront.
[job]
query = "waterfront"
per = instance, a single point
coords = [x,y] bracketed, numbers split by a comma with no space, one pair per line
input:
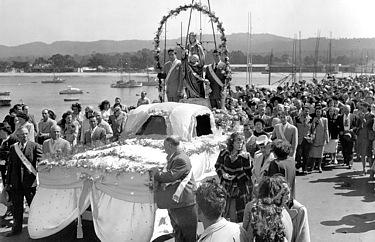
[96,88]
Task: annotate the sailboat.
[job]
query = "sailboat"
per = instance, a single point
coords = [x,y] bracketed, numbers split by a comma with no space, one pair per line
[151,81]
[126,84]
[54,80]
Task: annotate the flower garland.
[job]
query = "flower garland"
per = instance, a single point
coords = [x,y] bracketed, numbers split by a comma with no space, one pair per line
[226,118]
[130,155]
[175,12]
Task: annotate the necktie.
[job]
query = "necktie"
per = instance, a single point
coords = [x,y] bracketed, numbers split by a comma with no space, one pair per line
[215,67]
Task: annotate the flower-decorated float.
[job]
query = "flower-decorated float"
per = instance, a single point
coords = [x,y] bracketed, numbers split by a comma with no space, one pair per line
[114,179]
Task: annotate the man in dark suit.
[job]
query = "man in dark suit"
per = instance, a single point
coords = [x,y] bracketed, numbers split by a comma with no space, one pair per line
[95,136]
[21,176]
[182,211]
[214,73]
[346,122]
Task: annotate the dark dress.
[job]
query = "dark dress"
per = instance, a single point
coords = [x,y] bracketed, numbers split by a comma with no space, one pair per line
[240,187]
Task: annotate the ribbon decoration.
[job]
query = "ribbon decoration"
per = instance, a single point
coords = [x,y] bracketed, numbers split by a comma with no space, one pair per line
[89,185]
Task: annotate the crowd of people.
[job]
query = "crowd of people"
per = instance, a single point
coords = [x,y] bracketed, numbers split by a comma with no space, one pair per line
[296,128]
[242,203]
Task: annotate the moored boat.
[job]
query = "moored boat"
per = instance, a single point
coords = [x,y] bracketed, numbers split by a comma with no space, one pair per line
[5,93]
[71,99]
[129,84]
[5,101]
[71,90]
[54,80]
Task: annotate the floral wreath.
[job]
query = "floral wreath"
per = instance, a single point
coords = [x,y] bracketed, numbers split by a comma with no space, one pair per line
[175,12]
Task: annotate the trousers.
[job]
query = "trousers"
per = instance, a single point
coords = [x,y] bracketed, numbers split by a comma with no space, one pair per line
[184,222]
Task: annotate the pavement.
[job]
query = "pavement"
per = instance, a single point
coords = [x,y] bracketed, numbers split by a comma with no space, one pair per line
[339,201]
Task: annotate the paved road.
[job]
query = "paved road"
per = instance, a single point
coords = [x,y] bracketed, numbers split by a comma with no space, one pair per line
[340,205]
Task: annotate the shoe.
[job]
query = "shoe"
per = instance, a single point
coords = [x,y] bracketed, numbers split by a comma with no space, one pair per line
[305,173]
[13,233]
[320,170]
[349,167]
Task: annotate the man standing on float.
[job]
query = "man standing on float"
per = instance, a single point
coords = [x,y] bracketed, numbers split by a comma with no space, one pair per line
[215,75]
[173,78]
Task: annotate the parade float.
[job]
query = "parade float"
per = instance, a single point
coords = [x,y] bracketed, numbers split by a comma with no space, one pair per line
[114,179]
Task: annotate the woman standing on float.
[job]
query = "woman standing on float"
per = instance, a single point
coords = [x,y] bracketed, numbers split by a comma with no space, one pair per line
[193,71]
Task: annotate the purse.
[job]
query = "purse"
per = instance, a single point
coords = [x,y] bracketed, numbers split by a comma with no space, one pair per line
[164,196]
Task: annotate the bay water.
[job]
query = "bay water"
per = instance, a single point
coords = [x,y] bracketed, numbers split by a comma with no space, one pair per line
[28,89]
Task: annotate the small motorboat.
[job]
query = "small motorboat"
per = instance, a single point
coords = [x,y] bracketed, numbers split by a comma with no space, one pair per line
[54,80]
[72,99]
[71,90]
[129,84]
[5,101]
[5,93]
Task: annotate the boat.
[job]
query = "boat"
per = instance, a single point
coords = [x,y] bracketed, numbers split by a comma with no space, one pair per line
[54,80]
[128,84]
[151,82]
[71,99]
[71,90]
[5,101]
[5,93]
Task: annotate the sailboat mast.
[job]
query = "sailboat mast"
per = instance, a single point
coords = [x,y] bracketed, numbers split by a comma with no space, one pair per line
[269,69]
[247,55]
[251,54]
[300,57]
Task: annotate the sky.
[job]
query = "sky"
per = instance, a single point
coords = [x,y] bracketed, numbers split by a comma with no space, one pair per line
[25,21]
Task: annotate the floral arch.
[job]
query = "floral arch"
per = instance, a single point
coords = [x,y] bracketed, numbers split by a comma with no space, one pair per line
[200,8]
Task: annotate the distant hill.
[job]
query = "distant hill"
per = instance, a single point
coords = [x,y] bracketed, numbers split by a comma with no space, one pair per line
[261,44]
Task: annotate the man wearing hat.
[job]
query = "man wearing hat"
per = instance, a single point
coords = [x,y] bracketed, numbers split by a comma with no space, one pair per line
[21,176]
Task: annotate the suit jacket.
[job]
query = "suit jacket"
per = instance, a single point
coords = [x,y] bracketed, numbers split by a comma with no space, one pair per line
[33,152]
[178,167]
[290,133]
[301,230]
[287,169]
[364,125]
[215,87]
[340,120]
[60,144]
[175,81]
[98,135]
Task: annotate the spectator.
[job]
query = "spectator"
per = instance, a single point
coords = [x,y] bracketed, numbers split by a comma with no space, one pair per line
[44,127]
[56,145]
[234,170]
[211,206]
[105,110]
[283,164]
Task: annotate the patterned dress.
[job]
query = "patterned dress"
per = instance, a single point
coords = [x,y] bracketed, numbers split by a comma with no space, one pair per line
[240,187]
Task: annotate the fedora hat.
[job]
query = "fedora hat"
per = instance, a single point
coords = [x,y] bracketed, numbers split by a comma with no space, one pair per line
[5,198]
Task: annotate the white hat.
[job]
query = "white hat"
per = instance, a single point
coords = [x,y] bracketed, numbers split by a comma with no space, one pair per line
[263,139]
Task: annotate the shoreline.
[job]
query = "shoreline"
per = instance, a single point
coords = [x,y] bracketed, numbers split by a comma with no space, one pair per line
[138,74]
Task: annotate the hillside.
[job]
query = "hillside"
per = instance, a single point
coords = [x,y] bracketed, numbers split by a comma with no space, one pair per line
[261,44]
